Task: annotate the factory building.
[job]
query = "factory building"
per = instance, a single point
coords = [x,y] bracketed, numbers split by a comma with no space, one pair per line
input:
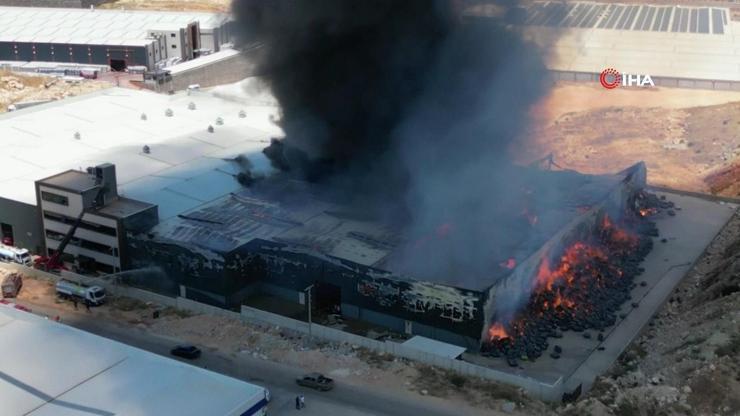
[171,187]
[115,38]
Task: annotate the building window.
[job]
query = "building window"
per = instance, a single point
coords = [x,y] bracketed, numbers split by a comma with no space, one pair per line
[172,35]
[174,46]
[54,198]
[102,229]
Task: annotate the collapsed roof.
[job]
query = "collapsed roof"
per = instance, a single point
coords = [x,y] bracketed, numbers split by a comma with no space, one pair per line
[300,215]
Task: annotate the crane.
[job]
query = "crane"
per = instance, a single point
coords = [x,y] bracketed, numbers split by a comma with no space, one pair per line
[54,262]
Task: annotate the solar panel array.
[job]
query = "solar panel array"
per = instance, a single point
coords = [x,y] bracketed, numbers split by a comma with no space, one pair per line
[628,17]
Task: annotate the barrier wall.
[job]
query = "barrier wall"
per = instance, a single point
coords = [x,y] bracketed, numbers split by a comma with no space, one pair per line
[673,82]
[543,391]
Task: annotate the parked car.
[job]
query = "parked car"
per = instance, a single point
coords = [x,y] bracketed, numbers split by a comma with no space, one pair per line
[190,352]
[316,381]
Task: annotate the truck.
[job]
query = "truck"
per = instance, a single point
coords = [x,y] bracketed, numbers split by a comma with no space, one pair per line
[12,254]
[11,285]
[93,295]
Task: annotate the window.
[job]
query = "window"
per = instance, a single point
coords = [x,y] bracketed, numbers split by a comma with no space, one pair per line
[172,35]
[54,198]
[102,229]
[174,46]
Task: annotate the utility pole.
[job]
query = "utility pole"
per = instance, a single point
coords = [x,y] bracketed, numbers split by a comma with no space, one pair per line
[308,302]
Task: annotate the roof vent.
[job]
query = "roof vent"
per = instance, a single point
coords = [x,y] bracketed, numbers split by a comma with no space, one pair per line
[77,135]
[242,114]
[146,149]
[210,129]
[191,106]
[219,121]
[168,112]
[143,116]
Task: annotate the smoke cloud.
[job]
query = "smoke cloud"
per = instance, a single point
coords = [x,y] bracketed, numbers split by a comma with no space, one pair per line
[408,109]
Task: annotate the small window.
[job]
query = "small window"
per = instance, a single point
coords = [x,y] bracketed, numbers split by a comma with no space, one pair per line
[174,46]
[54,198]
[172,35]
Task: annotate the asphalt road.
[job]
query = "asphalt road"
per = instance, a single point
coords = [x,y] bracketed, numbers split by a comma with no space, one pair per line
[344,400]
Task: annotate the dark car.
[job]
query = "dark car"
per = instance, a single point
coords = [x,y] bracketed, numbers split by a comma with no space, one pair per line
[186,351]
[316,381]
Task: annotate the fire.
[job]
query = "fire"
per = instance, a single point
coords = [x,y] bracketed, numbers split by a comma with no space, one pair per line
[497,331]
[508,264]
[617,234]
[646,212]
[578,253]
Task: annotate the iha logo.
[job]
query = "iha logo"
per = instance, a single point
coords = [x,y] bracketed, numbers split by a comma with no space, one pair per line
[610,78]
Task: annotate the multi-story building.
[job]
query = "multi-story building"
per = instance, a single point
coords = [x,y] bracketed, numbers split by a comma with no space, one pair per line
[104,217]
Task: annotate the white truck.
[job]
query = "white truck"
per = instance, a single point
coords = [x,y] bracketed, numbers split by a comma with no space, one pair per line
[67,289]
[12,254]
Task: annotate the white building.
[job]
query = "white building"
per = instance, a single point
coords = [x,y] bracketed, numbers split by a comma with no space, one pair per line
[50,369]
[47,149]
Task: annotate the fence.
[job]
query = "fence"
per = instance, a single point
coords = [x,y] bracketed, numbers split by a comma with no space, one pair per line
[535,388]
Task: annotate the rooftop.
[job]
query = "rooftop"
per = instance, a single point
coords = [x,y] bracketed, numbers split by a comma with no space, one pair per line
[658,40]
[71,180]
[84,374]
[100,27]
[124,207]
[304,217]
[186,167]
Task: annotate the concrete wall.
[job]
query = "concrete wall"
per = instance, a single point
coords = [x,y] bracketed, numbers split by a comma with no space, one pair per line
[704,84]
[24,218]
[230,69]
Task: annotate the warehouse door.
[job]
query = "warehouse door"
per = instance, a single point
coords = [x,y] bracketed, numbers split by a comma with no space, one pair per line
[118,65]
[328,297]
[7,234]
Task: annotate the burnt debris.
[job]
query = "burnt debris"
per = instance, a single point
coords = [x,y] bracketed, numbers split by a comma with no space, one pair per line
[584,288]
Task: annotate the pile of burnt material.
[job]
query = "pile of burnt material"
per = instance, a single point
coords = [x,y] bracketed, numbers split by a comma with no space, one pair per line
[581,288]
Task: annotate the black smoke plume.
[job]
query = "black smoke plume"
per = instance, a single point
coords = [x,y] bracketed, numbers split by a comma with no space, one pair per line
[405,106]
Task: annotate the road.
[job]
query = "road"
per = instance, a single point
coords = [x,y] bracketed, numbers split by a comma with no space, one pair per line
[345,400]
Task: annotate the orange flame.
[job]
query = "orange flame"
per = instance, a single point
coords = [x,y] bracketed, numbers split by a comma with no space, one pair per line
[508,264]
[497,331]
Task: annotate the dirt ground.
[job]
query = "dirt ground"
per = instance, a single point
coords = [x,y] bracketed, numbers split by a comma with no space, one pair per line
[689,139]
[176,5]
[16,87]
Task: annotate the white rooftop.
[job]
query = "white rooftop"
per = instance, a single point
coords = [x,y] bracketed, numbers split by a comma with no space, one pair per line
[658,40]
[186,166]
[100,27]
[50,369]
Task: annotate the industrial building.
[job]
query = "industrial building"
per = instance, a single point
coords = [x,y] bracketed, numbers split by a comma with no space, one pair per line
[114,38]
[167,188]
[680,46]
[84,374]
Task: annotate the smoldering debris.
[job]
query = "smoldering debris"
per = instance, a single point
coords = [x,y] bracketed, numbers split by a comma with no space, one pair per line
[406,109]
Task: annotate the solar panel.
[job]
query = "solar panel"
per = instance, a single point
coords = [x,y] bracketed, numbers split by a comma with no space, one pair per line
[641,18]
[703,20]
[658,19]
[592,21]
[683,25]
[718,26]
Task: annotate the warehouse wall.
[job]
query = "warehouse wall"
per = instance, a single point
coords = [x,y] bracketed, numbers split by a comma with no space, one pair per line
[51,3]
[26,223]
[76,53]
[225,71]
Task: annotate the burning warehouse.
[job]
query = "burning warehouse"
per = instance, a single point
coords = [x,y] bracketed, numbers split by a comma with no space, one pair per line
[280,236]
